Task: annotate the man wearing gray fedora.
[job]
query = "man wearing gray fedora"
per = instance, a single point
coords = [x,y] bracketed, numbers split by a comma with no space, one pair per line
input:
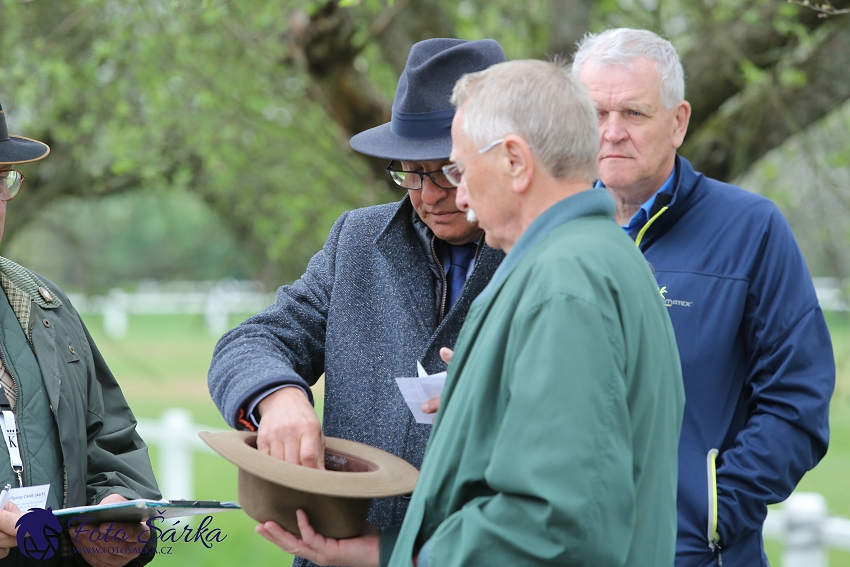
[390,287]
[67,428]
[556,438]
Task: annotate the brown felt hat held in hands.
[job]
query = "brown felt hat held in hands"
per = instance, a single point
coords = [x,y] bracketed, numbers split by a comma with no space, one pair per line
[336,499]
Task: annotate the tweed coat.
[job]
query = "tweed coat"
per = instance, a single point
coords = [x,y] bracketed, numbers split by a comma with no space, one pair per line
[363,313]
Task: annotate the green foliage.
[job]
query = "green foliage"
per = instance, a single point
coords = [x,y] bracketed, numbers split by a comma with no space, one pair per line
[209,97]
[187,96]
[792,77]
[94,245]
[753,74]
[527,22]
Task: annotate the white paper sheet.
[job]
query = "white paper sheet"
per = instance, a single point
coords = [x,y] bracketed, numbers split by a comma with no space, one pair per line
[417,391]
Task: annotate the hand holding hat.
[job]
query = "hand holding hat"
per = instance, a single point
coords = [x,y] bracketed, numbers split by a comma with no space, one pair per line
[361,551]
[337,499]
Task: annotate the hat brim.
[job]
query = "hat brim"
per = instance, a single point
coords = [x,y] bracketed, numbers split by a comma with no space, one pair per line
[18,149]
[382,142]
[382,474]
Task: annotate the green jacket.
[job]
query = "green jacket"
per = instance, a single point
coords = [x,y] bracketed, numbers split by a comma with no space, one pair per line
[100,453]
[556,439]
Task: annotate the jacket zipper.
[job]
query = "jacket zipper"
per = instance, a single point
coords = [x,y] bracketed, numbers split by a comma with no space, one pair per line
[643,230]
[711,533]
[3,359]
[445,281]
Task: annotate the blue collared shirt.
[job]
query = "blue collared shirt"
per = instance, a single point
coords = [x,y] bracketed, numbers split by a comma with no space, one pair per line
[641,217]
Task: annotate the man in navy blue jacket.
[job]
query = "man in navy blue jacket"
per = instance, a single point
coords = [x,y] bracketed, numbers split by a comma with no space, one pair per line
[756,354]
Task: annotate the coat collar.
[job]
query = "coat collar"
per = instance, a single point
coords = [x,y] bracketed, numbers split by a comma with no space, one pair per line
[592,202]
[685,193]
[405,244]
[402,249]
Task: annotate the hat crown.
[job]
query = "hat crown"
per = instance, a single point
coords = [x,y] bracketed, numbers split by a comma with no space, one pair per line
[421,124]
[4,131]
[435,65]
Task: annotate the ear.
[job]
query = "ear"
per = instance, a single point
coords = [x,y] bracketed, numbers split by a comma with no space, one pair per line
[519,162]
[681,118]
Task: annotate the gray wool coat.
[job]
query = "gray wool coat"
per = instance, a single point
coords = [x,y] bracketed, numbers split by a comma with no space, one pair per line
[366,310]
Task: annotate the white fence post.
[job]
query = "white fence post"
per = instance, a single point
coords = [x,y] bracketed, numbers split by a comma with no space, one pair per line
[115,321]
[175,436]
[216,312]
[175,470]
[804,522]
[805,531]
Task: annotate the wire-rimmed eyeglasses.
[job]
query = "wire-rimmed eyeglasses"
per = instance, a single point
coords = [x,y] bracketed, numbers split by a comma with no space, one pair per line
[10,183]
[414,179]
[453,172]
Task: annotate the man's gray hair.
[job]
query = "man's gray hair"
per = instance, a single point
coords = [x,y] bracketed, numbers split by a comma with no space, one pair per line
[621,46]
[540,102]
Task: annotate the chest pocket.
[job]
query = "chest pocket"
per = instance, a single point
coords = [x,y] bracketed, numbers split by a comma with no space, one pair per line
[71,354]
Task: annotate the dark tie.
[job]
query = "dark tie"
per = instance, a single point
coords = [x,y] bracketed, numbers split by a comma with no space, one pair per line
[460,258]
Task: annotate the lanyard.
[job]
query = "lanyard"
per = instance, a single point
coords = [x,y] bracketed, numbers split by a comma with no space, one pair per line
[10,436]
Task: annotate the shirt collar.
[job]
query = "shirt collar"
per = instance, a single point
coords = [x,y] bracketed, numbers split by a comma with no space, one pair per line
[641,217]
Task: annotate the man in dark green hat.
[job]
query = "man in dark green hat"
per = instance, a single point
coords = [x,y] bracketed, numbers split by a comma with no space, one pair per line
[65,421]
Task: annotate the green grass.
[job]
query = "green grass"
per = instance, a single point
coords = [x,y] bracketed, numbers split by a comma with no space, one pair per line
[163,363]
[830,476]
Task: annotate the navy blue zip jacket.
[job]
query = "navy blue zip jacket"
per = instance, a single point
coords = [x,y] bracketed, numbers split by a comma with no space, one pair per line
[756,359]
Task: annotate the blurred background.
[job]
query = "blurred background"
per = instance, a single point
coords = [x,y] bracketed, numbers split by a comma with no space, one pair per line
[200,155]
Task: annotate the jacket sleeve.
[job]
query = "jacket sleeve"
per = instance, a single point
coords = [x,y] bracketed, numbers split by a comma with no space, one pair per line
[561,462]
[791,380]
[283,345]
[117,457]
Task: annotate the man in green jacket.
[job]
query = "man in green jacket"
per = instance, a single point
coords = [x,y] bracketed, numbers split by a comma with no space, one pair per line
[556,442]
[75,431]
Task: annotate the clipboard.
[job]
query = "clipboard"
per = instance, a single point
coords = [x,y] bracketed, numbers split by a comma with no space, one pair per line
[140,510]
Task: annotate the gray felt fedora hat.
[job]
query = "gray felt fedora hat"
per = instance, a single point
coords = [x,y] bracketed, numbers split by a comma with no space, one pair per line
[420,129]
[17,149]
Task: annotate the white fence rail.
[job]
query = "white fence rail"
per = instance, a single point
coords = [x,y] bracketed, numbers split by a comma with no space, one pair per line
[214,300]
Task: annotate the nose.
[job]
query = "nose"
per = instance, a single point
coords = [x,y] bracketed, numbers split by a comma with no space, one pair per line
[462,196]
[613,128]
[431,192]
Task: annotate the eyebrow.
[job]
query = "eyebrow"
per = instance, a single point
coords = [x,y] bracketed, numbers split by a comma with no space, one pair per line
[634,105]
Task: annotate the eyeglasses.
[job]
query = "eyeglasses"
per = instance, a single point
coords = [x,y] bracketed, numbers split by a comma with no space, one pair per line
[10,183]
[453,172]
[414,179]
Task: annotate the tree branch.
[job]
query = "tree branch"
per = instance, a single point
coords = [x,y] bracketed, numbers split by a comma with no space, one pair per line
[569,21]
[713,66]
[324,46]
[765,115]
